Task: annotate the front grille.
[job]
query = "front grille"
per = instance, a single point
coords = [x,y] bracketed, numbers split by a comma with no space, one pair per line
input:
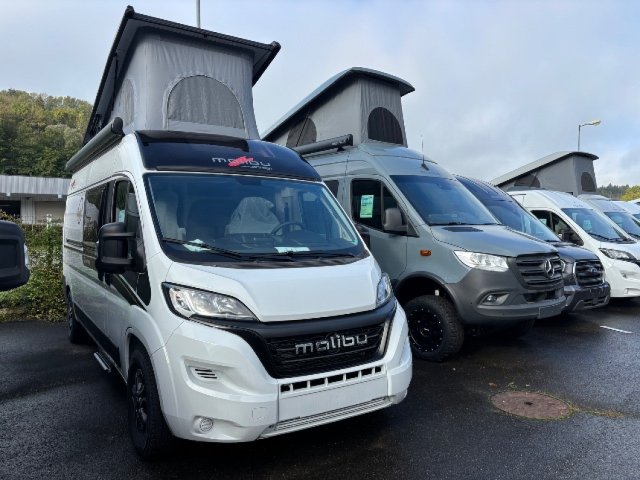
[320,352]
[537,273]
[589,273]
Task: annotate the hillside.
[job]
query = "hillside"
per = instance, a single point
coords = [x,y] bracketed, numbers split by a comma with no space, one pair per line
[39,133]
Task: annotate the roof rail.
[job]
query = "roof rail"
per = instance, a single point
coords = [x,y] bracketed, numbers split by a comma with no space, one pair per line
[323,145]
[106,138]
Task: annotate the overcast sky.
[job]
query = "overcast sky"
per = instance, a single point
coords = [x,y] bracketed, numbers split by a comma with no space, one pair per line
[498,83]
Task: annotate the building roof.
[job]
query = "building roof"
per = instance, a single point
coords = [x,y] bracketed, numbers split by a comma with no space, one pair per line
[537,164]
[132,23]
[33,186]
[404,86]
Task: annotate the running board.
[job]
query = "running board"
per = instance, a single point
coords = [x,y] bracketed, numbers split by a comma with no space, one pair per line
[102,361]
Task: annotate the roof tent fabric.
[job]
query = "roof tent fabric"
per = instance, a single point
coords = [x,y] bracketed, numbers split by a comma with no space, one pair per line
[359,101]
[162,75]
[570,172]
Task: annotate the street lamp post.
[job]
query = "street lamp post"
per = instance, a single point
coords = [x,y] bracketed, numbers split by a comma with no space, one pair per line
[594,123]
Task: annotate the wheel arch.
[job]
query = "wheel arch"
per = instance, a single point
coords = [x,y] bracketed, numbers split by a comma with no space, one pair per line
[419,284]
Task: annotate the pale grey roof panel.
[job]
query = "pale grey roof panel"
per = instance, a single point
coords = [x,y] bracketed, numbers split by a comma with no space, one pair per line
[537,164]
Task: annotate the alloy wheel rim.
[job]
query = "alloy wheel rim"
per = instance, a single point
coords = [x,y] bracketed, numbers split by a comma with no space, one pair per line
[139,401]
[425,330]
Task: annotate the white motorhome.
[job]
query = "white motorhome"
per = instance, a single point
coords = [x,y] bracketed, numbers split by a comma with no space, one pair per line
[216,272]
[632,208]
[577,222]
[618,215]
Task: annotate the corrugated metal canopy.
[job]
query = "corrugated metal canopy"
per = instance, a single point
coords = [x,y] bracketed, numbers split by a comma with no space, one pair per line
[21,185]
[131,24]
[404,86]
[537,164]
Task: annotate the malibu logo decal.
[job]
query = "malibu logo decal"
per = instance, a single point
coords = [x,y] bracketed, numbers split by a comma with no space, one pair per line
[245,162]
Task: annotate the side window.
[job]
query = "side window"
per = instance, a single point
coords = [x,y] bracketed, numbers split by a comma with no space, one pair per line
[333,186]
[126,207]
[94,199]
[543,216]
[120,201]
[366,203]
[559,225]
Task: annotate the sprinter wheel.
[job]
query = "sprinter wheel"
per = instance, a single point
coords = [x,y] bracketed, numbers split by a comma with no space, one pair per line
[77,333]
[435,332]
[148,429]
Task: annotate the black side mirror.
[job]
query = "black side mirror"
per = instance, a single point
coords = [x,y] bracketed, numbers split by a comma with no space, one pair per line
[113,248]
[13,268]
[393,221]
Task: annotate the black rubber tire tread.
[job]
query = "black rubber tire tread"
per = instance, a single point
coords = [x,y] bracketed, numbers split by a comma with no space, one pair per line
[158,438]
[518,330]
[77,334]
[453,331]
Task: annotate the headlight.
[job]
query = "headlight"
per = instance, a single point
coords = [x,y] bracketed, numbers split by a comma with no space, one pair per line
[188,302]
[384,290]
[618,254]
[483,261]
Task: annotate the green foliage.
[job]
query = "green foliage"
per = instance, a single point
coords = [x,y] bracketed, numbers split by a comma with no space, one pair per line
[42,297]
[631,193]
[39,133]
[614,192]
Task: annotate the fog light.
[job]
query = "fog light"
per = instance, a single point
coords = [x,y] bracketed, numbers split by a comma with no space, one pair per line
[491,299]
[495,299]
[206,424]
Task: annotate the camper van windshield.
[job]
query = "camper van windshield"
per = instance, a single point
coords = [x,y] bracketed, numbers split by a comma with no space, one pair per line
[626,222]
[237,218]
[443,201]
[595,225]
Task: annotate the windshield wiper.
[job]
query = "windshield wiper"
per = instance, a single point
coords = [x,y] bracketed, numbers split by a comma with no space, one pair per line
[207,247]
[606,239]
[291,255]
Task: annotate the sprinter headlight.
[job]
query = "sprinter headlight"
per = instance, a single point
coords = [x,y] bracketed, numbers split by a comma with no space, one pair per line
[483,261]
[384,290]
[618,254]
[188,303]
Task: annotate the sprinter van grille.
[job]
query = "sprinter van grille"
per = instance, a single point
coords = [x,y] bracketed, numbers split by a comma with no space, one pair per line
[589,273]
[540,271]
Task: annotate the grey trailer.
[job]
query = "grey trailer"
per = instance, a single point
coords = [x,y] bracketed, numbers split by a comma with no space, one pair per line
[453,267]
[570,172]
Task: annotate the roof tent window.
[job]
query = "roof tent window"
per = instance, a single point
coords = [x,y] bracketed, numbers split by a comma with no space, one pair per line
[528,181]
[383,126]
[204,100]
[303,133]
[587,182]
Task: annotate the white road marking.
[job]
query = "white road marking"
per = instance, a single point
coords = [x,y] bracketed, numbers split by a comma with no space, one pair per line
[614,329]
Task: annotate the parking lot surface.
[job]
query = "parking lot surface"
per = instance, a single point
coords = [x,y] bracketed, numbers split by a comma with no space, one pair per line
[61,416]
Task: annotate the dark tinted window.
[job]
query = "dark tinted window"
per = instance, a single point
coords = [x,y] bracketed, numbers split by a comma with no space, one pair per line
[384,126]
[333,186]
[92,215]
[302,134]
[369,201]
[587,182]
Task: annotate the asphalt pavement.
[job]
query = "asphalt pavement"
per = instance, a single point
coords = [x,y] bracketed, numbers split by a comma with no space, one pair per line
[61,416]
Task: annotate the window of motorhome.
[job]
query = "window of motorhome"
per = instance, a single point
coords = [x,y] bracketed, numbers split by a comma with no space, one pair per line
[333,186]
[594,225]
[94,199]
[206,217]
[369,201]
[625,221]
[443,201]
[383,126]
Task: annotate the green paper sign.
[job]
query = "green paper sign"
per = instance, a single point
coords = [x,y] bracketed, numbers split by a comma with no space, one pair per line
[366,206]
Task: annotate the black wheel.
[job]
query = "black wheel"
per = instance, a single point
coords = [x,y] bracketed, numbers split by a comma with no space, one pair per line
[517,330]
[77,333]
[148,429]
[435,332]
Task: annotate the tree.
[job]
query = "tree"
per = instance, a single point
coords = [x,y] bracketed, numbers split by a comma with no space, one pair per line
[631,193]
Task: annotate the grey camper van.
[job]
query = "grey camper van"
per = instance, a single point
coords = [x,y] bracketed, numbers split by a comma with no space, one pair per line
[14,270]
[584,283]
[453,267]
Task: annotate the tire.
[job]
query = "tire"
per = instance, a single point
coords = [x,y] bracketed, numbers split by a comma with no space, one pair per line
[148,429]
[518,330]
[435,331]
[77,333]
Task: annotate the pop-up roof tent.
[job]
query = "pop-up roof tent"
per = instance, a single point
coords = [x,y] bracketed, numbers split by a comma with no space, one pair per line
[570,172]
[362,102]
[162,75]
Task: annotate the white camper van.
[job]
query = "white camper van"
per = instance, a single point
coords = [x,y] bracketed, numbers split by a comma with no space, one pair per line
[632,208]
[577,222]
[216,273]
[616,213]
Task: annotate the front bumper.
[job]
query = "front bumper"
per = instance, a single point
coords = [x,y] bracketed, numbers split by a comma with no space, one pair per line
[623,276]
[207,372]
[586,298]
[518,303]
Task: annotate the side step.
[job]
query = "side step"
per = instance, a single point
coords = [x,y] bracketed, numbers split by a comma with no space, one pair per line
[102,361]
